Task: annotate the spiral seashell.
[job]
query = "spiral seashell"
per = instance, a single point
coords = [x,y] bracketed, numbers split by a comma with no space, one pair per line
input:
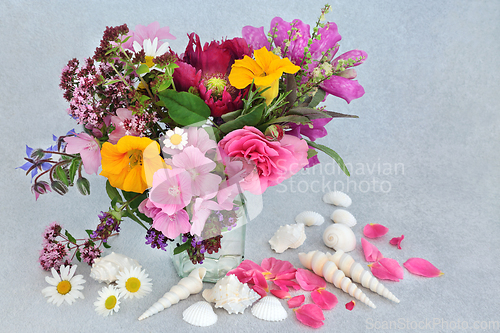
[358,274]
[310,218]
[339,237]
[106,269]
[337,198]
[191,284]
[229,293]
[200,314]
[344,217]
[318,262]
[288,236]
[269,308]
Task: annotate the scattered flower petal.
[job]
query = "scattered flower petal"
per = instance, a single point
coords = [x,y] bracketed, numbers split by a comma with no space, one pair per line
[349,306]
[373,230]
[296,301]
[324,299]
[251,273]
[281,294]
[422,267]
[387,269]
[397,241]
[310,315]
[372,254]
[259,290]
[308,280]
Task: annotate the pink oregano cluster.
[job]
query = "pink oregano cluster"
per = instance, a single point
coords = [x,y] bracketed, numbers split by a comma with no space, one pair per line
[284,276]
[387,268]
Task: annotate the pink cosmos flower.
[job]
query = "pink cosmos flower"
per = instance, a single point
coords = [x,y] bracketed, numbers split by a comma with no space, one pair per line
[171,190]
[151,32]
[172,225]
[88,148]
[275,161]
[201,211]
[422,267]
[122,116]
[387,269]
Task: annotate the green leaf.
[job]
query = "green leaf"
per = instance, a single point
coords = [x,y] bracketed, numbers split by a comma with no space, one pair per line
[319,96]
[291,86]
[61,175]
[144,98]
[113,192]
[70,238]
[165,84]
[106,245]
[231,115]
[111,82]
[330,152]
[185,108]
[142,69]
[252,118]
[89,232]
[311,153]
[78,255]
[296,119]
[73,168]
[181,248]
[316,114]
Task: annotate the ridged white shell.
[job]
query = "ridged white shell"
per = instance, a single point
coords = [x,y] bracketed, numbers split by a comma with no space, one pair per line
[288,236]
[339,237]
[310,218]
[229,293]
[200,314]
[106,269]
[344,217]
[269,308]
[337,198]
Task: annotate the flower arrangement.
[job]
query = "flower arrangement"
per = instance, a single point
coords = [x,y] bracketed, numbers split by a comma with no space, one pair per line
[180,136]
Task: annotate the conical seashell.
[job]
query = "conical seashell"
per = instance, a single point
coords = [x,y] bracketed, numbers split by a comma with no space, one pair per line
[337,198]
[339,237]
[310,218]
[191,284]
[344,217]
[229,293]
[106,269]
[318,262]
[200,314]
[288,236]
[269,308]
[357,273]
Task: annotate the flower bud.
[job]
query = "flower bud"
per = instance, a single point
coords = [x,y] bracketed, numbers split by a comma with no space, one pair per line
[37,154]
[83,186]
[274,133]
[59,187]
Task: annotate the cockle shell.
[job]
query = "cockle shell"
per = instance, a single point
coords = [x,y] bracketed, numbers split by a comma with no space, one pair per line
[269,308]
[200,314]
[288,236]
[310,218]
[229,293]
[106,269]
[344,217]
[337,198]
[339,237]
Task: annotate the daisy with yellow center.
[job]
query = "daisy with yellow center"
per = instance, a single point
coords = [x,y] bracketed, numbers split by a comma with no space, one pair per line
[64,287]
[265,71]
[151,50]
[108,301]
[176,139]
[133,283]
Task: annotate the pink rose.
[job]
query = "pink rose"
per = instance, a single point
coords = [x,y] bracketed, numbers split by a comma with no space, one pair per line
[274,161]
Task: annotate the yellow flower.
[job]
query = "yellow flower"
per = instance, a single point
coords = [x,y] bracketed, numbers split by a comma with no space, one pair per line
[265,70]
[130,164]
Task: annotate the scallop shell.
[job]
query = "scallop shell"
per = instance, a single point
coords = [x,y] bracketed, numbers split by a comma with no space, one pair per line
[337,198]
[344,217]
[269,308]
[339,237]
[200,314]
[288,236]
[106,269]
[310,218]
[229,293]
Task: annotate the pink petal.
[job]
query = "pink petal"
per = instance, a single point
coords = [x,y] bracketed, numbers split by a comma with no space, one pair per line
[251,273]
[310,315]
[281,294]
[371,252]
[277,267]
[308,280]
[422,267]
[284,284]
[374,230]
[324,299]
[397,241]
[387,269]
[296,301]
[349,306]
[259,290]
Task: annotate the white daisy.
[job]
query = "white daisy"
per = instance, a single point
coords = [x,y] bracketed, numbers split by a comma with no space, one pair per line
[108,301]
[176,139]
[64,287]
[133,283]
[151,50]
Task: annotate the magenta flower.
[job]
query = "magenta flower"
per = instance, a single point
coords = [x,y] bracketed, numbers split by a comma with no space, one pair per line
[88,148]
[150,32]
[171,190]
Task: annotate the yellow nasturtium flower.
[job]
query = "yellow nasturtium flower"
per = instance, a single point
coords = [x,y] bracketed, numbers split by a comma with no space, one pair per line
[130,164]
[265,71]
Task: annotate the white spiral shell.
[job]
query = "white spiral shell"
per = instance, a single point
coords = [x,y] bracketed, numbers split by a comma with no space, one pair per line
[191,284]
[229,293]
[339,237]
[358,274]
[288,236]
[200,314]
[310,218]
[344,217]
[269,308]
[318,262]
[337,198]
[107,268]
